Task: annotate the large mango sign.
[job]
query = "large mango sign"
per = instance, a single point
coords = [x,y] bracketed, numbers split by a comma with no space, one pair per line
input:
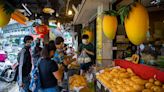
[110,26]
[4,17]
[88,32]
[137,24]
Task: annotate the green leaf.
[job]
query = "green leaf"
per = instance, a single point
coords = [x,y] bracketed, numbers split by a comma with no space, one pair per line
[122,19]
[111,13]
[124,12]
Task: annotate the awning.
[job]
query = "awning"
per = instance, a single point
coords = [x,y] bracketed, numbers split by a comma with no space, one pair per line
[88,9]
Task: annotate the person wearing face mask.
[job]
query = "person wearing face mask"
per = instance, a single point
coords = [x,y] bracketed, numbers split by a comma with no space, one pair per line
[25,65]
[88,48]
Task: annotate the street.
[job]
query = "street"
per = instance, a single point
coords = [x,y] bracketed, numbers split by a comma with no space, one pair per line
[8,87]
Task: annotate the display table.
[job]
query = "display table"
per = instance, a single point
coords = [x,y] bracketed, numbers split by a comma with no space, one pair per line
[141,70]
[100,87]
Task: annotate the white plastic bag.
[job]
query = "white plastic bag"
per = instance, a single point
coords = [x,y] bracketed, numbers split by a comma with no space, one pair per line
[84,58]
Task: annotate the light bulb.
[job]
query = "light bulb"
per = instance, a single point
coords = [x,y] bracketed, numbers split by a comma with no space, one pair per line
[70,12]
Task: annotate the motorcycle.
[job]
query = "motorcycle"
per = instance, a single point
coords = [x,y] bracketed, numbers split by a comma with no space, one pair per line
[8,64]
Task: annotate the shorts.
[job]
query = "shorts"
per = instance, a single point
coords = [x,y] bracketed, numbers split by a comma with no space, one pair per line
[85,66]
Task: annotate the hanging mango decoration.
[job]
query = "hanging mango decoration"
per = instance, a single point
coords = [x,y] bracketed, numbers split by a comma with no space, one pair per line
[4,16]
[19,17]
[110,24]
[136,22]
[88,32]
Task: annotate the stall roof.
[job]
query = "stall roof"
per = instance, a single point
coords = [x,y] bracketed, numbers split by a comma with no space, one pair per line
[87,10]
[36,6]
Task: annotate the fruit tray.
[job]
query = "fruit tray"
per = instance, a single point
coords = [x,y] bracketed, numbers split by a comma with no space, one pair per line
[144,71]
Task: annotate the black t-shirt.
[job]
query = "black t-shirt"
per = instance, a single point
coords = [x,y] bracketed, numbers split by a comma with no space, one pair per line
[89,47]
[46,69]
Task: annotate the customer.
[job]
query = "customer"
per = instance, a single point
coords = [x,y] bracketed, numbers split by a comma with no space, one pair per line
[59,56]
[25,65]
[52,45]
[88,48]
[49,71]
[36,52]
[59,53]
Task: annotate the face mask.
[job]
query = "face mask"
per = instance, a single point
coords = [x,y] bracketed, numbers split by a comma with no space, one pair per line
[32,44]
[84,41]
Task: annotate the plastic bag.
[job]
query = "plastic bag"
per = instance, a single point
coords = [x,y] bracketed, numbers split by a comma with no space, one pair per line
[83,58]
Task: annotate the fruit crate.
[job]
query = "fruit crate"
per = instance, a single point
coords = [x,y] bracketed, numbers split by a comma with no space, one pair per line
[70,73]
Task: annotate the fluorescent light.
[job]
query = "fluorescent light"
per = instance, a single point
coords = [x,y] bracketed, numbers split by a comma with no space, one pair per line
[26,9]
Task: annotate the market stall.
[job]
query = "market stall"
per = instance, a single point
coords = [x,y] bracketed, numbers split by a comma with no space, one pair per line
[126,76]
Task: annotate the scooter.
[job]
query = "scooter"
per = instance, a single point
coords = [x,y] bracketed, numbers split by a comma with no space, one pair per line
[7,68]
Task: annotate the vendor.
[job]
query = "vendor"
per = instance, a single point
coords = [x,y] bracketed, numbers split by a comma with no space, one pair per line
[88,48]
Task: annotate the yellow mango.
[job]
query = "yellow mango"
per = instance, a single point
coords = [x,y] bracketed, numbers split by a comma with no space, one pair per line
[137,24]
[4,17]
[110,26]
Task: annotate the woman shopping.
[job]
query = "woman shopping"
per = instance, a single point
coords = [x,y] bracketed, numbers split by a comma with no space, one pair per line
[49,71]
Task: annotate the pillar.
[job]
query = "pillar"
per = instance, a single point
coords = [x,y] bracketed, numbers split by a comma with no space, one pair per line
[103,45]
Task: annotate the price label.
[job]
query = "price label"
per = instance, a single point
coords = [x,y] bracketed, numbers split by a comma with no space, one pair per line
[98,85]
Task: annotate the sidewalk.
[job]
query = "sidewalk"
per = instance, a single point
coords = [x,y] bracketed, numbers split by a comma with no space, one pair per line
[14,88]
[8,87]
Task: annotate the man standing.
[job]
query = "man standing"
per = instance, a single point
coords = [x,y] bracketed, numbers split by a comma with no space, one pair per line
[25,65]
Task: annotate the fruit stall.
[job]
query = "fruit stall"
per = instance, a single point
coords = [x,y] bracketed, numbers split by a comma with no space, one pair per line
[130,75]
[126,76]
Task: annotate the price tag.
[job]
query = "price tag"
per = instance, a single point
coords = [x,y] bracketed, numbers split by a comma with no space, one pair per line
[98,85]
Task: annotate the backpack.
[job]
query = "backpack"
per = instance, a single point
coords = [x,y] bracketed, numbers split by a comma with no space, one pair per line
[35,83]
